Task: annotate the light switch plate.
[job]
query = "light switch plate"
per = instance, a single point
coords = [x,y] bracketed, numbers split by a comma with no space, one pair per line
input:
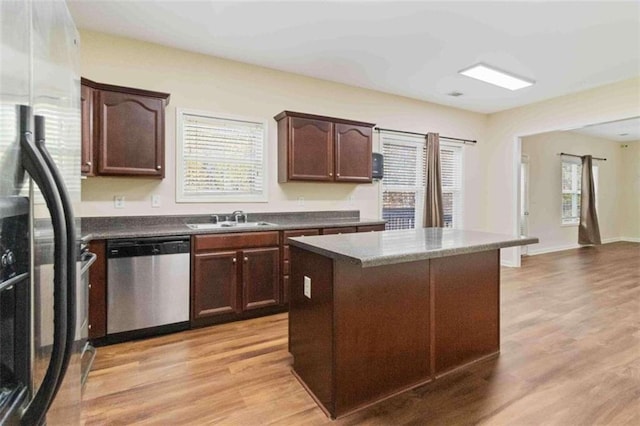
[307,287]
[118,201]
[301,201]
[155,200]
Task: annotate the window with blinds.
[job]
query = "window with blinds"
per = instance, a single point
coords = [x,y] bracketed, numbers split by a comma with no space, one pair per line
[220,159]
[571,189]
[404,181]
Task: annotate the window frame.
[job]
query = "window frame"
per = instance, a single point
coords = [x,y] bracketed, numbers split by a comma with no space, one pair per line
[180,170]
[419,191]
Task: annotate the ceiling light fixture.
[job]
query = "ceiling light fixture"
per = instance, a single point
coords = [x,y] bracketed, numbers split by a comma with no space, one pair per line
[496,77]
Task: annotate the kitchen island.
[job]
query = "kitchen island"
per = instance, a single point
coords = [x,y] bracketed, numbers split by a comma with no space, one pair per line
[372,315]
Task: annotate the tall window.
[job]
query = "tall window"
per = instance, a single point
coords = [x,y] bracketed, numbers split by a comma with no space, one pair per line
[220,159]
[571,189]
[404,181]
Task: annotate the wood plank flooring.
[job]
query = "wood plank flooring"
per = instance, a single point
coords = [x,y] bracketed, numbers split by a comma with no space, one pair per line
[570,355]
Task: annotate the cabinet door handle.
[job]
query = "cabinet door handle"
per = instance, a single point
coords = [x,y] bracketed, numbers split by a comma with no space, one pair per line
[234,260]
[246,259]
[158,167]
[88,163]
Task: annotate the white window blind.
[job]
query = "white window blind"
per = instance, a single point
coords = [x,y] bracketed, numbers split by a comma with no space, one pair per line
[451,176]
[404,181]
[572,188]
[220,159]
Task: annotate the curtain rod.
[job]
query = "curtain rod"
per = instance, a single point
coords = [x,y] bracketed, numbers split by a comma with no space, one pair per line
[424,134]
[580,156]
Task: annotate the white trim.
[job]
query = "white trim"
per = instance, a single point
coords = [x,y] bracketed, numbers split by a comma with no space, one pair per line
[509,263]
[264,198]
[630,239]
[576,245]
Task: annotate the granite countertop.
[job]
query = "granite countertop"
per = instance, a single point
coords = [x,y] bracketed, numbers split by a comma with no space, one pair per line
[389,247]
[155,226]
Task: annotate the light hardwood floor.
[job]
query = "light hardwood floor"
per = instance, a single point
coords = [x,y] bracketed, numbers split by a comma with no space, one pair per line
[570,355]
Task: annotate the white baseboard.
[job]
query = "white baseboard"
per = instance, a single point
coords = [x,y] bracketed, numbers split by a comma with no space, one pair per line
[631,239]
[508,263]
[533,252]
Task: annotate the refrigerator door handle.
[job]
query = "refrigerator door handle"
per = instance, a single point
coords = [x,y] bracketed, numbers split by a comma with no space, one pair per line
[69,219]
[35,165]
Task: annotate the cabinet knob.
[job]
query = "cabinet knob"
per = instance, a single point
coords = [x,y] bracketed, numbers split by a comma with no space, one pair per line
[330,174]
[234,260]
[338,174]
[158,167]
[246,259]
[89,286]
[89,326]
[88,163]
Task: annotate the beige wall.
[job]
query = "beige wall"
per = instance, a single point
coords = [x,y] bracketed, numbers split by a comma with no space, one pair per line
[545,187]
[217,85]
[500,178]
[212,84]
[631,191]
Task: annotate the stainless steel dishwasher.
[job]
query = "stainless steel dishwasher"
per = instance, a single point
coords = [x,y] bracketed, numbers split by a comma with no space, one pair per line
[147,286]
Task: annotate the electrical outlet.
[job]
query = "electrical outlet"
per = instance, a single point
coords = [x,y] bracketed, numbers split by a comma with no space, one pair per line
[155,200]
[118,201]
[307,287]
[301,201]
[351,198]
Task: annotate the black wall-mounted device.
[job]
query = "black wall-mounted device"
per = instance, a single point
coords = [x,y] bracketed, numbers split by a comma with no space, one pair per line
[377,170]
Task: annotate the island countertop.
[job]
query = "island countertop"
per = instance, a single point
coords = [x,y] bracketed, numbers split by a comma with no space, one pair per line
[389,247]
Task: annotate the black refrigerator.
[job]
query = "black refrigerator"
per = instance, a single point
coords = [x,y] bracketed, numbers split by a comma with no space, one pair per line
[42,304]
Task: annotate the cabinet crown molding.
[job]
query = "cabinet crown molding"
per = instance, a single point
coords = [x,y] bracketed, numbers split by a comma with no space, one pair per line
[284,114]
[128,90]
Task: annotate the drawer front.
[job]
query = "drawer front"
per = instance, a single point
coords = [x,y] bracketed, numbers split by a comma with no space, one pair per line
[298,233]
[235,241]
[341,230]
[370,228]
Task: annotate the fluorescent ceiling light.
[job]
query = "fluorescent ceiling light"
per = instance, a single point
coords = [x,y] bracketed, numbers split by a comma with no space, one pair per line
[493,76]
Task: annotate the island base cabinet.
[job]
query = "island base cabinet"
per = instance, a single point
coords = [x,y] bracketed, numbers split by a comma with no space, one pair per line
[466,308]
[361,335]
[364,332]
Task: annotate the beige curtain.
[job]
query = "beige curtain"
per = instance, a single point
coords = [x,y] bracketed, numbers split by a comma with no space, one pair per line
[588,230]
[433,212]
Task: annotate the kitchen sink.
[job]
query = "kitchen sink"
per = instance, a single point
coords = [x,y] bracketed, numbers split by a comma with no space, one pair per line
[228,224]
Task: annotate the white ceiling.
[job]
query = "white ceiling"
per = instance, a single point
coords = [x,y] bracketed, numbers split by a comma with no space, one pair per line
[413,49]
[620,131]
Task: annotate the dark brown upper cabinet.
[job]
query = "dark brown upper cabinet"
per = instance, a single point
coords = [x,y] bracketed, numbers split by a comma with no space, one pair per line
[123,134]
[318,148]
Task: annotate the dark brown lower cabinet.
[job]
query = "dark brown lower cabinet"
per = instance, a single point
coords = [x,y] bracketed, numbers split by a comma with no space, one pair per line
[232,278]
[216,284]
[260,278]
[98,291]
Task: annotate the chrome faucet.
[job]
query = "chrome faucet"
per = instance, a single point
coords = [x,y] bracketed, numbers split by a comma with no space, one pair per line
[239,214]
[215,218]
